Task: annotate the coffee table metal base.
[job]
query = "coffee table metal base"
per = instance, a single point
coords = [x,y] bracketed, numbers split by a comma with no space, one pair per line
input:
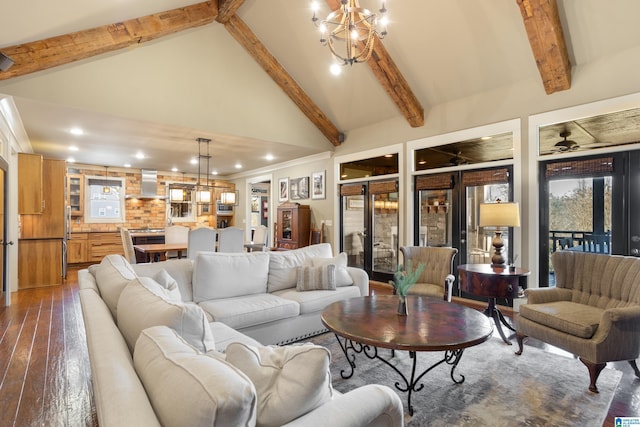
[408,385]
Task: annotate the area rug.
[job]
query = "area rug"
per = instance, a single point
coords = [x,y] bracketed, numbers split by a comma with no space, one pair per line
[500,388]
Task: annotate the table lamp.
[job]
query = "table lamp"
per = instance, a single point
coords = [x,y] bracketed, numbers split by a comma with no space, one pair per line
[499,215]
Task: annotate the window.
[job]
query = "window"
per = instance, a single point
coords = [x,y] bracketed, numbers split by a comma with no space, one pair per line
[181,203]
[105,201]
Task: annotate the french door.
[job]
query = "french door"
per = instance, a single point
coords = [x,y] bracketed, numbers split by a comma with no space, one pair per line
[589,204]
[447,209]
[369,220]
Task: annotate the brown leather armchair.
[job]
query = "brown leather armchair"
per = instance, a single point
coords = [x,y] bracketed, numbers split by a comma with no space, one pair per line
[437,277]
[593,312]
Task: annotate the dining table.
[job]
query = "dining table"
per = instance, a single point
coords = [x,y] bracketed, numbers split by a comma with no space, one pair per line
[160,249]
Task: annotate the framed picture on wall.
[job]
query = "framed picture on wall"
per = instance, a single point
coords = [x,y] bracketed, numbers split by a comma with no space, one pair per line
[299,188]
[283,186]
[318,185]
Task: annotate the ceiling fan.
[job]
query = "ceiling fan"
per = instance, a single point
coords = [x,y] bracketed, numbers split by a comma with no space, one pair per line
[458,160]
[566,144]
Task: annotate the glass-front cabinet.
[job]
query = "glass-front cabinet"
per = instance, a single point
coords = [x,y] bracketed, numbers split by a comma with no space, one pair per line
[75,191]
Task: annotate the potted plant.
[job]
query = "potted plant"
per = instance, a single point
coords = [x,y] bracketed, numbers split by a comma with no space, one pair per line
[403,280]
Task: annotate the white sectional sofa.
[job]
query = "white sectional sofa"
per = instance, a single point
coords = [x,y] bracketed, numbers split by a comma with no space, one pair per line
[157,335]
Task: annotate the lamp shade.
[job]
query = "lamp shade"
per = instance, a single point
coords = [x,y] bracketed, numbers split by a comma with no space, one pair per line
[228,198]
[176,195]
[499,214]
[203,196]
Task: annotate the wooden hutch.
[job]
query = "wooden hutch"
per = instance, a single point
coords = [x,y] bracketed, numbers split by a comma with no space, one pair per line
[294,221]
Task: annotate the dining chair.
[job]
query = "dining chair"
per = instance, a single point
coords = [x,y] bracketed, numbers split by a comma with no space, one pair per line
[201,239]
[231,240]
[127,245]
[175,234]
[260,235]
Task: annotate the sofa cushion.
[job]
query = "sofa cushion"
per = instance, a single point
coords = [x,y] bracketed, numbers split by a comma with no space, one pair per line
[250,310]
[343,278]
[226,275]
[225,335]
[181,270]
[283,265]
[142,306]
[322,277]
[187,388]
[290,381]
[576,319]
[112,276]
[313,301]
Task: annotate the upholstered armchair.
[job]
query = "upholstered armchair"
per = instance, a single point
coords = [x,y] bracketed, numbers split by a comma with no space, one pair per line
[593,312]
[436,278]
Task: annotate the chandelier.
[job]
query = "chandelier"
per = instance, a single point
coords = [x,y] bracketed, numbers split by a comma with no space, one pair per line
[350,31]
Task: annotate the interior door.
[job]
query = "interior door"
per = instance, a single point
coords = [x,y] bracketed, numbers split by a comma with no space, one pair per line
[6,291]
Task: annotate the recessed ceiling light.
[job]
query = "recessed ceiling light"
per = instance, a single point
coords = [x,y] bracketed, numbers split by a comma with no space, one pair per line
[71,160]
[127,165]
[422,162]
[139,155]
[484,138]
[335,69]
[193,161]
[76,131]
[214,172]
[73,148]
[174,169]
[388,155]
[269,157]
[238,166]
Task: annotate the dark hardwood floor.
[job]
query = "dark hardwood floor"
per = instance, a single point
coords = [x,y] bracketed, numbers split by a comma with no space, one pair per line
[45,377]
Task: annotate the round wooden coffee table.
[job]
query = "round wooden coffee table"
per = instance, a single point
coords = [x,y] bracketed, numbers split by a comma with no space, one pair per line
[368,323]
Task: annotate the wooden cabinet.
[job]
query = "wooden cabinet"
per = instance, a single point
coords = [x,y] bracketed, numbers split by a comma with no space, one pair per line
[77,248]
[103,244]
[40,263]
[294,222]
[50,222]
[75,193]
[30,190]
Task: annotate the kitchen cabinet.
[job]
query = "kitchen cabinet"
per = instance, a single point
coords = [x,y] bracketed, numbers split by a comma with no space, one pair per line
[102,244]
[40,263]
[50,222]
[294,221]
[75,193]
[30,183]
[77,248]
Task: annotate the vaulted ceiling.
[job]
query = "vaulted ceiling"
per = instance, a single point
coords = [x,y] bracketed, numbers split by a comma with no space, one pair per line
[251,73]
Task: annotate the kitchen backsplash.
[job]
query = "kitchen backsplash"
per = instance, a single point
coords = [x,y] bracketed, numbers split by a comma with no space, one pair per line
[140,213]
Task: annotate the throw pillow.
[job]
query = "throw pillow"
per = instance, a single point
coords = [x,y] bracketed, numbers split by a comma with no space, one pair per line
[187,388]
[283,265]
[290,380]
[317,278]
[112,276]
[169,283]
[343,278]
[141,306]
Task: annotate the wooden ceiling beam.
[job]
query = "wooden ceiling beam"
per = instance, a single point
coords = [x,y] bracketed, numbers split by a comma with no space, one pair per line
[392,80]
[227,8]
[60,50]
[243,35]
[544,29]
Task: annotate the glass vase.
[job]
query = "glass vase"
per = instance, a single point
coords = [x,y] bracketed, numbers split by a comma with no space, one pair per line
[402,305]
